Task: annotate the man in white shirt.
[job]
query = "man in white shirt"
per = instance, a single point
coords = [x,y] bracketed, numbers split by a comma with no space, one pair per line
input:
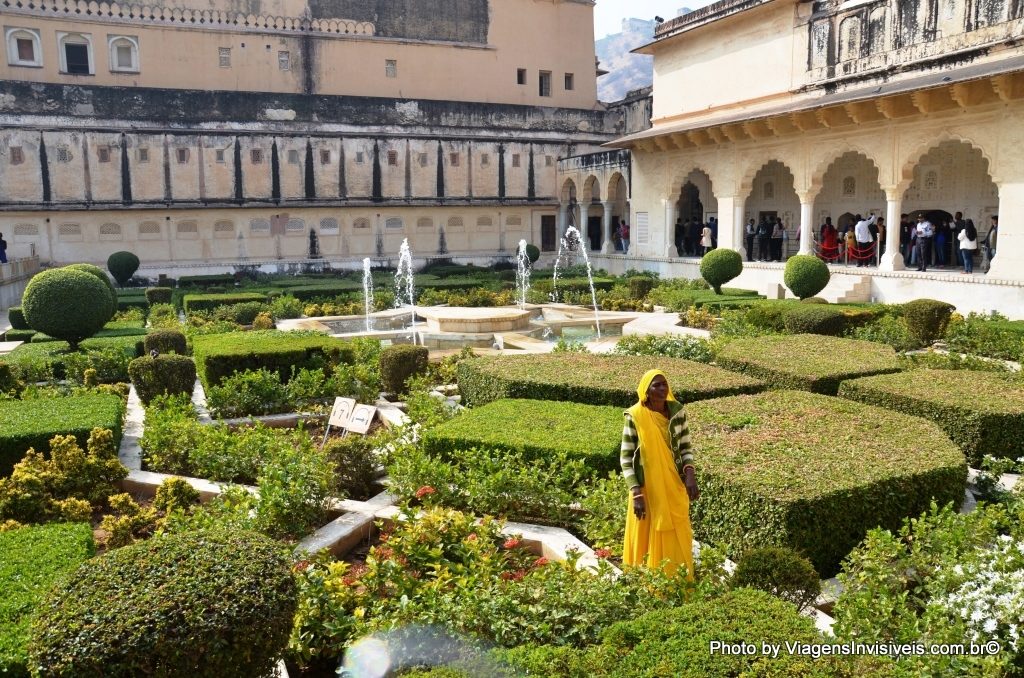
[862,232]
[925,232]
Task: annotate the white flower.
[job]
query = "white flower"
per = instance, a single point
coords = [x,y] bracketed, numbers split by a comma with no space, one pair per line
[990,626]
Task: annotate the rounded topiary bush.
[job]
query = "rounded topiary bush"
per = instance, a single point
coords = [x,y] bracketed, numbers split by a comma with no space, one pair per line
[122,265]
[814,319]
[927,319]
[166,341]
[532,253]
[805,275]
[198,603]
[720,266]
[814,300]
[67,304]
[779,571]
[398,363]
[163,375]
[159,295]
[102,277]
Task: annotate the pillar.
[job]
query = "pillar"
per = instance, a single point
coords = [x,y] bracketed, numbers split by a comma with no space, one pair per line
[582,225]
[563,218]
[670,225]
[892,259]
[727,221]
[738,223]
[607,229]
[1008,263]
[806,223]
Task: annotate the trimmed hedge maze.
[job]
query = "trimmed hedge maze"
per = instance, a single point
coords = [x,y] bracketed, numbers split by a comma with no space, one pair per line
[807,362]
[218,356]
[993,424]
[593,380]
[814,473]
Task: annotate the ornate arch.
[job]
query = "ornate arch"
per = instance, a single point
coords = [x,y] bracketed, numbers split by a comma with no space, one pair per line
[680,178]
[568,191]
[907,166]
[752,168]
[822,165]
[591,189]
[613,187]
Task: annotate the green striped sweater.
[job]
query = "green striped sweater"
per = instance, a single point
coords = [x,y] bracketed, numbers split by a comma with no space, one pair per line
[679,433]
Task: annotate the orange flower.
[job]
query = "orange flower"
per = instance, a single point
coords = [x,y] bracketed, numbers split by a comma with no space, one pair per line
[424,491]
[512,542]
[541,562]
[471,537]
[603,553]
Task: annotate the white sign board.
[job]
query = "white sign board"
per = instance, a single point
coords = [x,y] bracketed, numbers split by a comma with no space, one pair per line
[362,417]
[341,412]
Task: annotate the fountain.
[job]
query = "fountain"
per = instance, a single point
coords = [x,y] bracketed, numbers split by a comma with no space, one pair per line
[572,235]
[404,278]
[368,294]
[522,275]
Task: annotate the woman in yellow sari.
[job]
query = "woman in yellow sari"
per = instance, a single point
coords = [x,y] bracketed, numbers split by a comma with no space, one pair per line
[657,465]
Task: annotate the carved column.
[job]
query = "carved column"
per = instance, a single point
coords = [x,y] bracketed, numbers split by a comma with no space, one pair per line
[607,228]
[670,224]
[892,259]
[738,221]
[806,223]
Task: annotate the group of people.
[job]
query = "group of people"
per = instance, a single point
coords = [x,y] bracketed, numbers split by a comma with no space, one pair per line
[860,241]
[923,243]
[694,238]
[621,237]
[770,235]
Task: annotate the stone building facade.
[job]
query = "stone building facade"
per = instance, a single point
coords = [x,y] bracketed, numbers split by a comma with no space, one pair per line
[203,138]
[832,109]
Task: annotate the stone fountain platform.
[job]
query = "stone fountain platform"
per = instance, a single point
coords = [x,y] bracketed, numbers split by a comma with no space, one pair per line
[474,320]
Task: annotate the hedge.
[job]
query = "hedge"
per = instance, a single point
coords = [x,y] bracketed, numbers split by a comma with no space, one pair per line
[993,424]
[206,280]
[218,356]
[19,335]
[537,429]
[163,375]
[32,423]
[206,302]
[400,362]
[17,318]
[677,642]
[814,473]
[197,603]
[333,289]
[159,295]
[31,559]
[132,301]
[591,379]
[807,362]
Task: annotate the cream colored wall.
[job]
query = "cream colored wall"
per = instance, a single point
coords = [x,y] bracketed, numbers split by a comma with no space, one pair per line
[556,36]
[744,58]
[206,246]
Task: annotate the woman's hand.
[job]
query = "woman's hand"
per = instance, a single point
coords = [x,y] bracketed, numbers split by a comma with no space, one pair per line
[690,480]
[639,505]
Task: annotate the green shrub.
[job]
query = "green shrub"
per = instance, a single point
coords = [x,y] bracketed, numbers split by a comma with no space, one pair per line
[285,307]
[112,617]
[815,319]
[31,559]
[132,302]
[332,289]
[782,572]
[719,266]
[8,381]
[19,335]
[640,287]
[537,429]
[163,375]
[220,355]
[807,362]
[166,341]
[296,484]
[532,253]
[122,265]
[159,295]
[16,316]
[357,465]
[990,425]
[107,353]
[813,473]
[814,300]
[927,319]
[243,314]
[678,642]
[399,362]
[32,423]
[67,304]
[175,493]
[886,329]
[992,336]
[163,316]
[207,302]
[670,346]
[253,392]
[102,277]
[806,275]
[206,280]
[591,379]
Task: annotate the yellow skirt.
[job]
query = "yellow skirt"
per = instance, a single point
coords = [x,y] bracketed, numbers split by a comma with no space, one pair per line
[665,533]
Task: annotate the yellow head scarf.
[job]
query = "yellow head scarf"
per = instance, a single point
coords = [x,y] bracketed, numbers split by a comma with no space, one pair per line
[645,383]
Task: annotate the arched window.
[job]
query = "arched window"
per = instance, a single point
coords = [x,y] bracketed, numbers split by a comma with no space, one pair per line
[849,187]
[424,223]
[149,230]
[362,223]
[329,225]
[124,53]
[394,223]
[849,38]
[69,232]
[877,30]
[456,224]
[110,232]
[23,47]
[295,227]
[224,229]
[484,222]
[259,227]
[75,50]
[188,229]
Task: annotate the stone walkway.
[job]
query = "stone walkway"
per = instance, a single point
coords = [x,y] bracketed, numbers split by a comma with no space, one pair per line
[5,323]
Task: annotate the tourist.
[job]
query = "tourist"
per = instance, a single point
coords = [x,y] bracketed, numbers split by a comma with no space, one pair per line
[906,237]
[829,241]
[713,225]
[862,234]
[624,235]
[749,233]
[3,249]
[968,237]
[851,244]
[990,239]
[922,250]
[763,235]
[706,240]
[679,237]
[777,232]
[941,236]
[694,233]
[657,465]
